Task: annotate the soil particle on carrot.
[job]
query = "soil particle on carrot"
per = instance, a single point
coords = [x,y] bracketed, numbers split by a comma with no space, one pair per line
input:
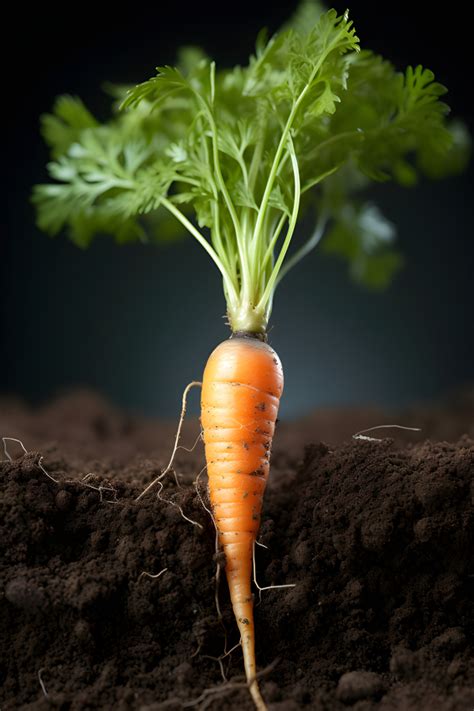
[383,568]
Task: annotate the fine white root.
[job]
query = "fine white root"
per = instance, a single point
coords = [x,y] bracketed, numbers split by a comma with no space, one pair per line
[223,656]
[194,654]
[39,463]
[12,439]
[191,449]
[262,545]
[43,687]
[268,587]
[217,575]
[209,695]
[196,486]
[101,490]
[173,503]
[150,575]
[361,435]
[194,383]
[213,692]
[218,565]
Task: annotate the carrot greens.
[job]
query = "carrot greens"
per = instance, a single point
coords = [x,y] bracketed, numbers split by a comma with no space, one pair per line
[236,156]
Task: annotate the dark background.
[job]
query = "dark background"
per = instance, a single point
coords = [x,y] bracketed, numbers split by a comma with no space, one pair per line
[137,323]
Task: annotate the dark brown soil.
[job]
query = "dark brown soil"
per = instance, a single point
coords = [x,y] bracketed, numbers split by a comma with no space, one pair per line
[377,535]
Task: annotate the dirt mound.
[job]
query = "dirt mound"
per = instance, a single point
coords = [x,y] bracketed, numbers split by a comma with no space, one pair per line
[377,535]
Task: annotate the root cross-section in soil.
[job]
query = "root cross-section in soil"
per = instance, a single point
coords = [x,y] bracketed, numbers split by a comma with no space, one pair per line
[377,536]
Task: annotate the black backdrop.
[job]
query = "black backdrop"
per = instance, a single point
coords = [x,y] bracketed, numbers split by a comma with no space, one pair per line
[138,322]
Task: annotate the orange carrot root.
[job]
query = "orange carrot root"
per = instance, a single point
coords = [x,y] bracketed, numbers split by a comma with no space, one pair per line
[241,390]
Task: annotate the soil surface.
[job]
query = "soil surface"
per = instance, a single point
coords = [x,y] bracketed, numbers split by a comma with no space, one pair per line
[377,535]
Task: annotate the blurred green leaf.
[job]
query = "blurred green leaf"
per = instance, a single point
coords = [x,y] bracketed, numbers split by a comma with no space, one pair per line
[362,236]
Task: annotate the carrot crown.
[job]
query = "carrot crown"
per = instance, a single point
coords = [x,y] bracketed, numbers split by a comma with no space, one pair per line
[235,156]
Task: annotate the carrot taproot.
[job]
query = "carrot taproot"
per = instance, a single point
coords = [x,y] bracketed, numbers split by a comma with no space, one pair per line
[241,390]
[243,159]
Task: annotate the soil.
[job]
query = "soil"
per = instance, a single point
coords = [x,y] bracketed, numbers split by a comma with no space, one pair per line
[377,535]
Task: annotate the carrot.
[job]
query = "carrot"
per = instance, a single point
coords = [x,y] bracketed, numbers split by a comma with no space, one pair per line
[241,390]
[235,157]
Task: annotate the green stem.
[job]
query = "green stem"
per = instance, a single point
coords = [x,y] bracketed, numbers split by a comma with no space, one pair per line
[257,157]
[215,155]
[204,243]
[216,237]
[273,241]
[245,269]
[305,249]
[286,133]
[275,164]
[291,228]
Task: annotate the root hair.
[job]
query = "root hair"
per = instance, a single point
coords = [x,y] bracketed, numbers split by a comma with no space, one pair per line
[214,692]
[267,587]
[144,573]
[173,503]
[39,463]
[194,383]
[42,684]
[361,435]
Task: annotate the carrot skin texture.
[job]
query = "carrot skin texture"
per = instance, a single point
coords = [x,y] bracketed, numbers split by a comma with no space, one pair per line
[241,391]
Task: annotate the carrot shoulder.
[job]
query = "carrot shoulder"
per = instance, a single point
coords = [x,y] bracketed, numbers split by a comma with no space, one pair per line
[241,390]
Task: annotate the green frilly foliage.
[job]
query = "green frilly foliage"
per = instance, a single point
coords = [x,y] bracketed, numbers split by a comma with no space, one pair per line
[241,154]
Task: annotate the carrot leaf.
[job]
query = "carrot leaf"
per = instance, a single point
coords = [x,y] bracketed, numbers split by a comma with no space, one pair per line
[237,156]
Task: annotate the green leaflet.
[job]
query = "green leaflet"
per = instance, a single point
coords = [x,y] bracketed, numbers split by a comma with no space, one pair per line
[305,125]
[364,238]
[65,125]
